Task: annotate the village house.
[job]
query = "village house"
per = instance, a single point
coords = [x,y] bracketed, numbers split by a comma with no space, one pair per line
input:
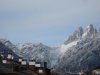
[96,71]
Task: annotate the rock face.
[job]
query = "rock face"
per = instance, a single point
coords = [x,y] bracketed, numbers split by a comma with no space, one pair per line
[80,51]
[75,36]
[89,32]
[72,40]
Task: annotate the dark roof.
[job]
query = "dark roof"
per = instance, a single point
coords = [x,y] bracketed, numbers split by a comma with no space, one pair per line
[98,67]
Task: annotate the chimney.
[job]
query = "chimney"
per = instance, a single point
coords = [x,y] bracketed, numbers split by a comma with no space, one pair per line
[45,65]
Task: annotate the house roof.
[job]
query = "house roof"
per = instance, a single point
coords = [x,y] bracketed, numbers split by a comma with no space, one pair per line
[98,67]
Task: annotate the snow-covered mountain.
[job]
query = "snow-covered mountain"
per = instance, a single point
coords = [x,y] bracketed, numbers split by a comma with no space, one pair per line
[72,40]
[39,52]
[10,45]
[36,51]
[79,35]
[75,36]
[5,50]
[80,51]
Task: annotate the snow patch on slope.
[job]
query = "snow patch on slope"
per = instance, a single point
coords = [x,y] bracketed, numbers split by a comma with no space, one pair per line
[64,47]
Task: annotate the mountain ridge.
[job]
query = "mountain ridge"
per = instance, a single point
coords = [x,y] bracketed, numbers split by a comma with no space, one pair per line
[81,45]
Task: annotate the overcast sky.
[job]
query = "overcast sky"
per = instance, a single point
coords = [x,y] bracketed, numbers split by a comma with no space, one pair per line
[46,21]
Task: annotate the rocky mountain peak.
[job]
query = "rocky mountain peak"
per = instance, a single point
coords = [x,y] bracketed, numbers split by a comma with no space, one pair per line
[89,28]
[6,42]
[80,33]
[28,45]
[89,32]
[76,35]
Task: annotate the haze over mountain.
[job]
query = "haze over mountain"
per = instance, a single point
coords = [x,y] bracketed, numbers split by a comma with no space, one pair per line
[80,51]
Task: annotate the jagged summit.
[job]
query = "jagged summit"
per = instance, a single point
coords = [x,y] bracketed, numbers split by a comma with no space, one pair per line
[77,52]
[72,40]
[80,33]
[90,26]
[89,29]
[75,36]
[89,32]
